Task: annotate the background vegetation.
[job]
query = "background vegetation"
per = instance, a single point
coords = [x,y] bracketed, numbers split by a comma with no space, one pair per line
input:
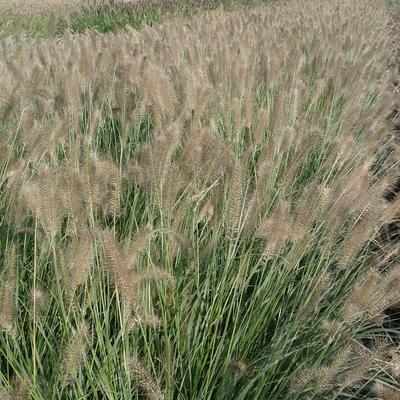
[49,19]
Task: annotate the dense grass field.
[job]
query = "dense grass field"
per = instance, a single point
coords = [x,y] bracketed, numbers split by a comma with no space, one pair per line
[199,200]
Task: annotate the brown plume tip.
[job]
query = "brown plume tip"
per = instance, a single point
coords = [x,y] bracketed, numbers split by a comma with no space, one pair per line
[144,379]
[21,388]
[386,392]
[238,367]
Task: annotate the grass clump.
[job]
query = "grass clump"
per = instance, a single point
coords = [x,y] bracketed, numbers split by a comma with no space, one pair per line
[198,210]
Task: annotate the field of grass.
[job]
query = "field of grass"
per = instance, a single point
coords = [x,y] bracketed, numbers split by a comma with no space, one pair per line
[204,208]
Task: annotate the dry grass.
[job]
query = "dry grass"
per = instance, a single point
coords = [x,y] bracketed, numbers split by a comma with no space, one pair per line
[23,7]
[205,202]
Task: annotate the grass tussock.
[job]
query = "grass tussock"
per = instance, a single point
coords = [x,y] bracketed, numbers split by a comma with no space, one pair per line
[199,210]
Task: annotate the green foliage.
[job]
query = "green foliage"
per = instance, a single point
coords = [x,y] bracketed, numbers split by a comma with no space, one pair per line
[38,26]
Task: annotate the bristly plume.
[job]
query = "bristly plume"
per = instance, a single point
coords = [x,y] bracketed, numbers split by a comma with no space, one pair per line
[386,294]
[358,235]
[358,371]
[137,244]
[78,257]
[4,395]
[155,274]
[42,198]
[73,97]
[144,379]
[386,392]
[39,301]
[74,354]
[236,197]
[395,365]
[359,299]
[238,368]
[317,379]
[117,264]
[332,327]
[277,229]
[126,276]
[21,388]
[8,286]
[207,211]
